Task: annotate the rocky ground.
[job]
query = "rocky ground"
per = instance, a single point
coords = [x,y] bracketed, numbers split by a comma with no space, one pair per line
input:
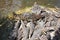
[39,24]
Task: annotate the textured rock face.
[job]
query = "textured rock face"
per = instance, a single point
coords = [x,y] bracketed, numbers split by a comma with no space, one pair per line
[40,26]
[57,14]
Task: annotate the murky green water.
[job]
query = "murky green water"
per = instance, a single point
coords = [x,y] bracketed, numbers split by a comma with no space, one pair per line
[13,5]
[49,3]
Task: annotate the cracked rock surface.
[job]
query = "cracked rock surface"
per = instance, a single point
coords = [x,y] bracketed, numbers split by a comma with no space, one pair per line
[37,25]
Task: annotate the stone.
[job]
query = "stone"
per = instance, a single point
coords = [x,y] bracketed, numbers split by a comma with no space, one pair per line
[41,23]
[31,26]
[38,24]
[44,13]
[57,14]
[36,9]
[43,37]
[48,24]
[53,23]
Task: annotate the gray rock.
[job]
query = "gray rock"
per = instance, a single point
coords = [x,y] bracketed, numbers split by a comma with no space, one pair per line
[44,13]
[36,9]
[37,25]
[50,18]
[31,26]
[15,30]
[24,30]
[58,23]
[57,14]
[53,23]
[52,34]
[36,34]
[41,23]
[48,24]
[43,37]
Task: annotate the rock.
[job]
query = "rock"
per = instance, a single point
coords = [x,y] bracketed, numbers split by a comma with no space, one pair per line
[36,17]
[57,35]
[36,9]
[53,23]
[22,26]
[48,24]
[25,22]
[50,18]
[25,34]
[37,25]
[15,30]
[58,23]
[20,30]
[43,37]
[44,13]
[57,14]
[27,14]
[19,34]
[47,29]
[31,26]
[25,31]
[36,34]
[52,34]
[41,23]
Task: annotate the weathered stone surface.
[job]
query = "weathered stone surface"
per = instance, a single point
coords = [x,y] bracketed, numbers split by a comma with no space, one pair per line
[57,14]
[36,9]
[43,37]
[38,25]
